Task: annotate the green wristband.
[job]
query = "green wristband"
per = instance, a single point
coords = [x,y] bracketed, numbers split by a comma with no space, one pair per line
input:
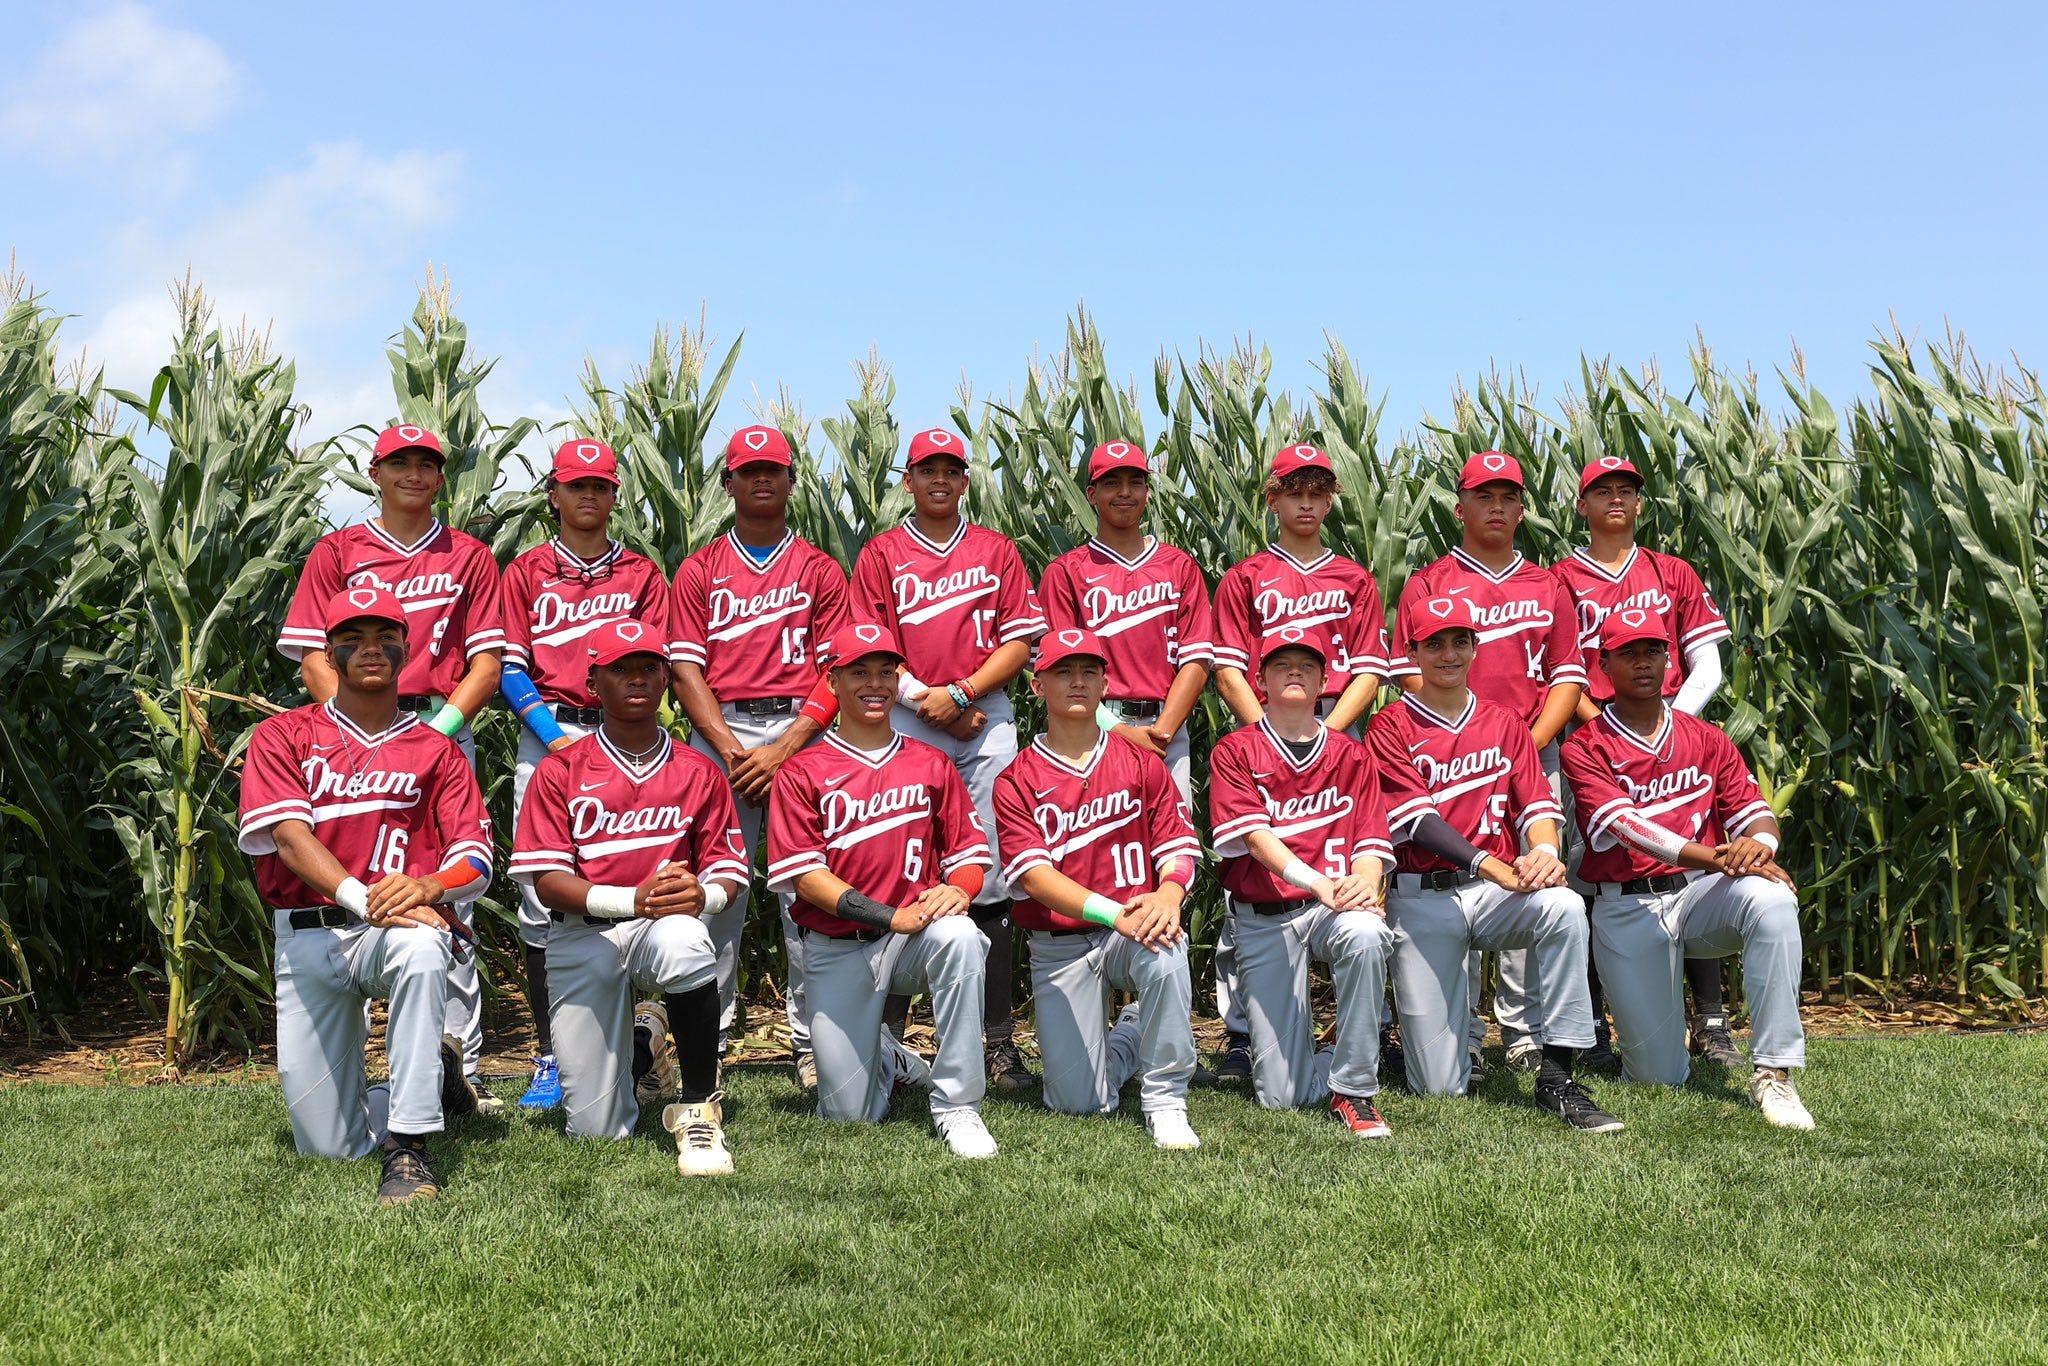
[1108,717]
[1100,910]
[449,720]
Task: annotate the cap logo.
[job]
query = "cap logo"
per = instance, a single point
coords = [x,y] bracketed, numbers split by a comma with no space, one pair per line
[1496,463]
[1070,637]
[939,438]
[1293,633]
[756,439]
[629,630]
[1635,616]
[1441,607]
[412,433]
[870,634]
[1610,462]
[588,452]
[362,597]
[1118,450]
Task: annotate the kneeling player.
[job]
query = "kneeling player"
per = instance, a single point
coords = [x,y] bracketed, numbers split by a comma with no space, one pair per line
[1476,868]
[863,826]
[365,822]
[629,840]
[1298,819]
[1683,851]
[1081,810]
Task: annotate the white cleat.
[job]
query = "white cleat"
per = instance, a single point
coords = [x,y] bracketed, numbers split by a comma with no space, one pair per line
[965,1134]
[1170,1130]
[1771,1089]
[700,1137]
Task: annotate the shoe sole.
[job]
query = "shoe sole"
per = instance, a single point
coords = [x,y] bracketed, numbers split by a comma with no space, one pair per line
[394,1201]
[725,1170]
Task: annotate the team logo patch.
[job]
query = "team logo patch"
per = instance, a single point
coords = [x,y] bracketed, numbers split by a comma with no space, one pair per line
[1070,637]
[1496,463]
[1442,607]
[867,634]
[756,440]
[1119,450]
[588,452]
[629,630]
[362,597]
[1293,635]
[1634,616]
[1611,462]
[939,438]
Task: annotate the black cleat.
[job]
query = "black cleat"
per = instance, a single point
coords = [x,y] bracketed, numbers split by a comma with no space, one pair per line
[1392,1064]
[1237,1059]
[457,1096]
[1570,1102]
[1006,1069]
[1601,1057]
[407,1177]
[1710,1039]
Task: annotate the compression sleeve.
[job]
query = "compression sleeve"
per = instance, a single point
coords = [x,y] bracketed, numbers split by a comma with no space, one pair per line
[969,878]
[1702,678]
[1645,836]
[526,703]
[1434,833]
[465,879]
[863,910]
[822,705]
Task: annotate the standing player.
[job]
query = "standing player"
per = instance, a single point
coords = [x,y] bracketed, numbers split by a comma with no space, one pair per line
[1147,604]
[1528,661]
[367,828]
[1683,850]
[958,598]
[1297,816]
[751,608]
[1296,583]
[1611,573]
[555,596]
[1097,847]
[455,636]
[876,836]
[631,843]
[1477,867]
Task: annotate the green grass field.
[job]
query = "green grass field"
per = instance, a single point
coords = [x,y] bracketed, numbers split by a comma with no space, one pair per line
[177,1223]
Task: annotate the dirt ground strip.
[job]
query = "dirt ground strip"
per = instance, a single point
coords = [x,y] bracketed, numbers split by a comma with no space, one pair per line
[115,1040]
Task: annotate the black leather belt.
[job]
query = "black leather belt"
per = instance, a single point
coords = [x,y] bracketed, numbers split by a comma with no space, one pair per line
[1142,711]
[1443,880]
[579,716]
[1062,934]
[1279,907]
[765,706]
[1667,882]
[413,701]
[864,936]
[322,918]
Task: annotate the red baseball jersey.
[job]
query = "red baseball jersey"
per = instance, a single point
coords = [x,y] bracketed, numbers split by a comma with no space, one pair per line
[1152,613]
[1664,584]
[890,824]
[950,605]
[591,812]
[1688,778]
[1479,771]
[401,801]
[1528,632]
[447,581]
[553,599]
[1107,824]
[1336,598]
[1326,808]
[753,626]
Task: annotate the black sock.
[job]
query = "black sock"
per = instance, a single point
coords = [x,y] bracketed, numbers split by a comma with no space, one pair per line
[1557,1065]
[994,921]
[895,1015]
[1703,975]
[537,1000]
[693,1020]
[395,1141]
[1593,990]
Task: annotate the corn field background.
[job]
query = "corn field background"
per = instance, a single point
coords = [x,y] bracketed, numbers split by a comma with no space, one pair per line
[1881,565]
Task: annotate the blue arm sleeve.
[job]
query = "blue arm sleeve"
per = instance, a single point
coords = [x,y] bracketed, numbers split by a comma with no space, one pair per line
[526,703]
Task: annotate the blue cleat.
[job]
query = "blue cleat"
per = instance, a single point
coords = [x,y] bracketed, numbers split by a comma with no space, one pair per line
[546,1091]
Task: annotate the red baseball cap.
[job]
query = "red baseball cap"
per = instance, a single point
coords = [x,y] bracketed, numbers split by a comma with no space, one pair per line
[1425,617]
[1117,455]
[1632,623]
[1490,467]
[751,444]
[586,460]
[364,600]
[406,437]
[858,641]
[1291,459]
[1066,643]
[615,640]
[937,441]
[1293,638]
[1604,466]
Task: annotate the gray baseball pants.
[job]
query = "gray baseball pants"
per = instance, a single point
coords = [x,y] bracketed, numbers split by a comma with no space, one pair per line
[981,761]
[1087,1062]
[1641,944]
[1436,932]
[533,917]
[596,971]
[465,1013]
[848,979]
[1515,1005]
[1273,953]
[326,979]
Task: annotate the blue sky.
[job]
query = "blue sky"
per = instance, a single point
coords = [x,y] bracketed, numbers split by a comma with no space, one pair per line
[1510,183]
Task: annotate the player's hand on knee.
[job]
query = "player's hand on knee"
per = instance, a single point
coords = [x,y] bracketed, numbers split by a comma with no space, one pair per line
[1540,868]
[910,919]
[395,897]
[1742,855]
[1502,874]
[1356,892]
[940,901]
[1151,919]
[672,890]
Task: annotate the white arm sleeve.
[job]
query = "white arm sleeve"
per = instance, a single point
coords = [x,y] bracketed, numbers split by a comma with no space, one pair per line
[1644,835]
[1702,678]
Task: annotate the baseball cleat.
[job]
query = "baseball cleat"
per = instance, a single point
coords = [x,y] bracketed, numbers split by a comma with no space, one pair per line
[1359,1115]
[964,1133]
[1170,1130]
[486,1102]
[1571,1103]
[807,1070]
[699,1131]
[457,1097]
[1476,1061]
[546,1091]
[1392,1063]
[1523,1053]
[654,1057]
[1006,1069]
[912,1071]
[407,1177]
[1771,1089]
[1601,1057]
[1708,1038]
[1237,1059]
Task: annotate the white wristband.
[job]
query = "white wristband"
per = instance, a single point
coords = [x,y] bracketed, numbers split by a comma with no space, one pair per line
[906,684]
[715,897]
[1767,840]
[1299,874]
[1546,847]
[609,903]
[352,896]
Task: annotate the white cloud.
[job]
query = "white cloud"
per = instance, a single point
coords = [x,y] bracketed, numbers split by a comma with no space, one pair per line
[115,84]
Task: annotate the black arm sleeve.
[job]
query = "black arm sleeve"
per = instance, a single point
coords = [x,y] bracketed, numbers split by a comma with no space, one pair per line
[1434,833]
[865,910]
